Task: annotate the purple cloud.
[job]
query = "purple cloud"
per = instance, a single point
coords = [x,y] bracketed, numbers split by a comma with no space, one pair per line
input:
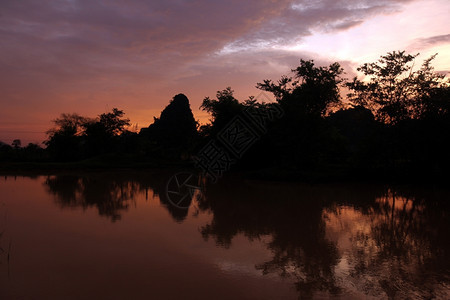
[80,55]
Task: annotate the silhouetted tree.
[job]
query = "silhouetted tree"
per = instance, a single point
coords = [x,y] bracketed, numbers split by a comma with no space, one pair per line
[72,123]
[301,139]
[113,123]
[64,140]
[6,152]
[394,92]
[101,134]
[397,123]
[358,133]
[434,102]
[313,91]
[222,110]
[413,105]
[75,137]
[16,144]
[32,152]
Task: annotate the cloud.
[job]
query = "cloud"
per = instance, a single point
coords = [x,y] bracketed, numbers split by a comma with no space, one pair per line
[304,18]
[85,56]
[431,41]
[82,39]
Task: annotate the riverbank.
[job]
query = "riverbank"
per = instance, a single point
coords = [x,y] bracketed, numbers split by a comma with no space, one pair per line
[318,175]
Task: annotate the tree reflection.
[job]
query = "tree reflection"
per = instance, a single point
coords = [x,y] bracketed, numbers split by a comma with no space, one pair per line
[299,248]
[402,252]
[177,214]
[376,241]
[110,194]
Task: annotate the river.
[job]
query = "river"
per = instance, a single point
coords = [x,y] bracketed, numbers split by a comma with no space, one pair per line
[123,235]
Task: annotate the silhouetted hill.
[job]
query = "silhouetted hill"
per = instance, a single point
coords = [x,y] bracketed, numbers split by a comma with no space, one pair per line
[174,132]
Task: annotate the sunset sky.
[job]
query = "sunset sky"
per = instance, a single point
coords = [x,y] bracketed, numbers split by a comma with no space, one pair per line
[90,56]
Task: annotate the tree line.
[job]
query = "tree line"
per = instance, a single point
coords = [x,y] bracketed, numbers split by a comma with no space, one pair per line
[394,120]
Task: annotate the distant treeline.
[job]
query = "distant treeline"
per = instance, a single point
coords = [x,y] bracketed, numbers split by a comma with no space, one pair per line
[393,122]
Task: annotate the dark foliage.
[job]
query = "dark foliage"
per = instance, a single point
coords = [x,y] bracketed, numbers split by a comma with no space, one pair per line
[394,124]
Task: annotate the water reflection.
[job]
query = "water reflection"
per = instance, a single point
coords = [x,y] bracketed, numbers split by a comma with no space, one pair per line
[329,240]
[111,194]
[110,197]
[399,245]
[372,241]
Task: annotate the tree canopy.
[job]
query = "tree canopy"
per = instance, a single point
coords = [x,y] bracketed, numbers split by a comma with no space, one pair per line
[312,91]
[394,120]
[394,91]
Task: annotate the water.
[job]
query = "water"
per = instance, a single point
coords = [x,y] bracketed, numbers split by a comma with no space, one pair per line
[118,236]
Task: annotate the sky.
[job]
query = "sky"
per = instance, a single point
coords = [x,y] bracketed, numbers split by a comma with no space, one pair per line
[87,57]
